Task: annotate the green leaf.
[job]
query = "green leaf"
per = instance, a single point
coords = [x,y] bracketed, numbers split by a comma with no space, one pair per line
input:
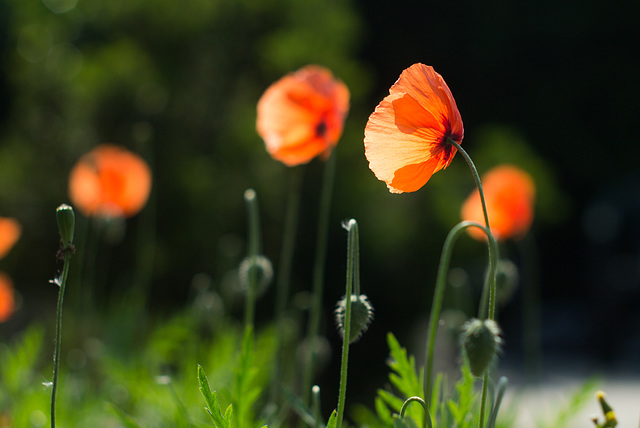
[333,420]
[405,377]
[211,398]
[228,417]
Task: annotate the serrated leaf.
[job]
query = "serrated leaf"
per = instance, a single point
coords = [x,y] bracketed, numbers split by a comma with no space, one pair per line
[405,377]
[211,399]
[333,420]
[228,416]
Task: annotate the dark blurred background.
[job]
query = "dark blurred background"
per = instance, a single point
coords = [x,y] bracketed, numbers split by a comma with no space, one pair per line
[550,85]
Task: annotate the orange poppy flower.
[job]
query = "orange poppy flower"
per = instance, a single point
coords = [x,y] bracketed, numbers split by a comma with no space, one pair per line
[405,140]
[110,181]
[302,115]
[510,195]
[10,231]
[7,300]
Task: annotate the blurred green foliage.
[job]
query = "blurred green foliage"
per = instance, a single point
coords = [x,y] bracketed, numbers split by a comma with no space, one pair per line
[175,82]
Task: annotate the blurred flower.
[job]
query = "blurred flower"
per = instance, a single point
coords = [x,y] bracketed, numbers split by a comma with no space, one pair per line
[301,115]
[7,301]
[510,196]
[405,139]
[110,181]
[10,231]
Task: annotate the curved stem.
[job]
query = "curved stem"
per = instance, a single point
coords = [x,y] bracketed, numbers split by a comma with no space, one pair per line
[56,357]
[352,256]
[490,282]
[424,406]
[436,305]
[318,274]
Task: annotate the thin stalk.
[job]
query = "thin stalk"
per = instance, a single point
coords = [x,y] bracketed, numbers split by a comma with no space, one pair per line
[502,386]
[251,201]
[318,274]
[436,305]
[61,282]
[284,274]
[317,408]
[493,258]
[352,256]
[483,399]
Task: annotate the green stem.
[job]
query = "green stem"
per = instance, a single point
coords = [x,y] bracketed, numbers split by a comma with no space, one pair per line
[284,274]
[61,282]
[493,258]
[502,386]
[483,400]
[410,400]
[251,201]
[436,305]
[352,263]
[317,408]
[318,274]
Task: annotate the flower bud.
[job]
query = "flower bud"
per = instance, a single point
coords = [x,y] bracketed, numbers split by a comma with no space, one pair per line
[481,342]
[66,225]
[609,415]
[263,271]
[361,316]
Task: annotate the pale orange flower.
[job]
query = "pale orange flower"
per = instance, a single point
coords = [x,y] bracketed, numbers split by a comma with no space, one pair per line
[10,231]
[110,181]
[510,196]
[405,139]
[302,115]
[7,299]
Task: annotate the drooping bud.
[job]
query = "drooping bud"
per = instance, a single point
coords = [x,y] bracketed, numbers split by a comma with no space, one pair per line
[481,342]
[361,316]
[263,271]
[66,225]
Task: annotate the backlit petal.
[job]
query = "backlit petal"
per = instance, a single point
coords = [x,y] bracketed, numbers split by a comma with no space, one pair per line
[301,115]
[405,137]
[7,299]
[110,181]
[10,231]
[510,195]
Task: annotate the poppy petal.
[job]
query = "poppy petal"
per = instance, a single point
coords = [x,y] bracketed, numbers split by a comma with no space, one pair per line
[301,115]
[110,181]
[394,139]
[10,231]
[408,131]
[509,195]
[7,298]
[430,90]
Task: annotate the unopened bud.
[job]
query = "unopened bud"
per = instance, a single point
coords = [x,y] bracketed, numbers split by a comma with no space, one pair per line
[481,342]
[263,272]
[361,316]
[66,225]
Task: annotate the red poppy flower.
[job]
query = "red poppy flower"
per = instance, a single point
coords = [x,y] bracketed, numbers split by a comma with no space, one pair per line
[510,195]
[110,181]
[10,231]
[301,115]
[7,300]
[405,139]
